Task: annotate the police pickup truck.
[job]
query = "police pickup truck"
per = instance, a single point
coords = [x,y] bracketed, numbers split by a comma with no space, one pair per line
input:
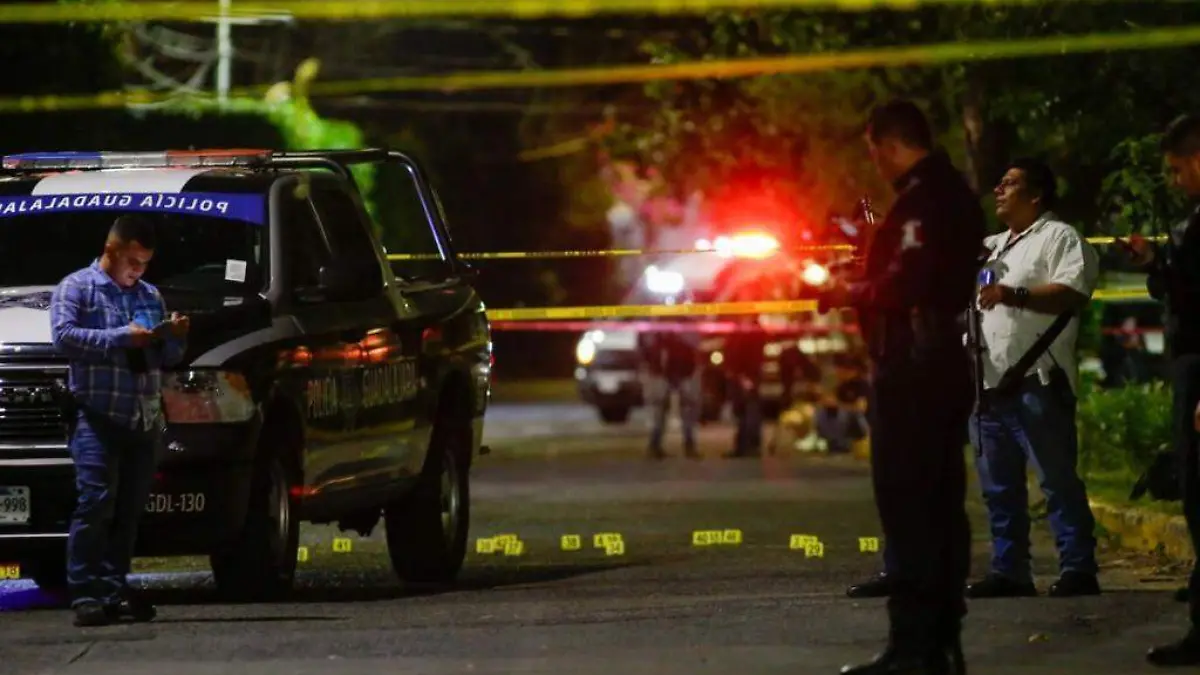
[319,384]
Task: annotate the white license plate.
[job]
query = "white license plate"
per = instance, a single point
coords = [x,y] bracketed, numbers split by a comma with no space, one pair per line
[15,505]
[184,502]
[608,384]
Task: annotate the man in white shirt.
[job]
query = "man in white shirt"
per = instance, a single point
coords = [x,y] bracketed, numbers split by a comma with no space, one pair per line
[1041,268]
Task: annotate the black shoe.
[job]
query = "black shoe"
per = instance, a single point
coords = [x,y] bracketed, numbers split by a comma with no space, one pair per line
[997,586]
[1186,652]
[1181,594]
[91,614]
[132,608]
[878,586]
[891,662]
[1072,584]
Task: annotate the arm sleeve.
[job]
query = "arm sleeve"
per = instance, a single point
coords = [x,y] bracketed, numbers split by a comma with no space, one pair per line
[1072,262]
[1158,275]
[173,347]
[72,339]
[908,277]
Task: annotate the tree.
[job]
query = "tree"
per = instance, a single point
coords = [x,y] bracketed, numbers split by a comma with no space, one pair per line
[1073,110]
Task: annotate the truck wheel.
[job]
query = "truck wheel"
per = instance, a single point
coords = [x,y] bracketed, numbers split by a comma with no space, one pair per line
[260,564]
[427,528]
[49,572]
[614,414]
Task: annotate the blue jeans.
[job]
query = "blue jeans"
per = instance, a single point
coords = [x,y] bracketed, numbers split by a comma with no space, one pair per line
[114,469]
[658,395]
[1037,424]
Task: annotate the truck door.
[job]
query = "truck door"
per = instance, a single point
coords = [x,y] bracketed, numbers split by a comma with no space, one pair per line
[381,442]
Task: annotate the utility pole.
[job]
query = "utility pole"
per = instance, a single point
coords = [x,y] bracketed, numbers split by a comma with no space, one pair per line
[224,52]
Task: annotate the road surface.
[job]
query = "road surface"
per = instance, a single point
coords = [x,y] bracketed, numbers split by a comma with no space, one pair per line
[717,570]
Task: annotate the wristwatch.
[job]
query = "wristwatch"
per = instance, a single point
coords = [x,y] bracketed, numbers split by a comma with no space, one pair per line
[1020,296]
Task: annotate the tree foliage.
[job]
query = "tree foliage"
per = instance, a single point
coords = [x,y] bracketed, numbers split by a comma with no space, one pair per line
[1092,116]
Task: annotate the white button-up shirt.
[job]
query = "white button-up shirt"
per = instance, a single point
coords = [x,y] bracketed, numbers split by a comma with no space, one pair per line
[1048,252]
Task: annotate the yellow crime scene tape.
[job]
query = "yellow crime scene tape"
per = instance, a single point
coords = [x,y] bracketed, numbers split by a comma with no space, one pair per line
[359,10]
[928,54]
[634,252]
[709,309]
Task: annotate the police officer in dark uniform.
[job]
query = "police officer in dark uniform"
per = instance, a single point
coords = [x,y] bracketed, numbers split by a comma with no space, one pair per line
[744,372]
[919,280]
[1174,277]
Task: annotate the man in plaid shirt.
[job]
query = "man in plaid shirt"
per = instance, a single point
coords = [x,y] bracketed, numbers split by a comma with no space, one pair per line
[106,320]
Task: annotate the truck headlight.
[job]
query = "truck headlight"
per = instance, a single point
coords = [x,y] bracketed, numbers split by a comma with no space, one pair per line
[206,397]
[585,351]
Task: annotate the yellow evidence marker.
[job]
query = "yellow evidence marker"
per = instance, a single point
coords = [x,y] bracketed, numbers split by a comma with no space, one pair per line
[10,571]
[868,544]
[302,554]
[572,542]
[611,542]
[342,545]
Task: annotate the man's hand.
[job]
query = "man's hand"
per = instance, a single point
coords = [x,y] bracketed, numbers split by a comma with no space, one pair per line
[179,324]
[996,294]
[1138,249]
[139,336]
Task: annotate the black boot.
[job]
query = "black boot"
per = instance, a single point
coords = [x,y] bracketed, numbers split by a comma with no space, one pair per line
[1186,652]
[917,645]
[878,586]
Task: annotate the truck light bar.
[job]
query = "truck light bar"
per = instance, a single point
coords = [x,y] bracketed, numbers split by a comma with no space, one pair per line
[66,161]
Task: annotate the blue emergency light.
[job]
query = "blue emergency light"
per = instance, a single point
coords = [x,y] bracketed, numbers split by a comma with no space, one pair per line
[67,161]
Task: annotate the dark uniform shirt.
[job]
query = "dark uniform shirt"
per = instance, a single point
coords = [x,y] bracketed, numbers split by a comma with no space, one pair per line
[743,352]
[920,270]
[1174,278]
[669,354]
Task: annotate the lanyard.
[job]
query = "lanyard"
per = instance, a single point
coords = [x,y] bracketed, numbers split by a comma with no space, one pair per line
[1012,241]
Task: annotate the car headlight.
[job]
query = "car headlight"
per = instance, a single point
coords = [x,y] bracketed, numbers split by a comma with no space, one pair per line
[585,351]
[207,397]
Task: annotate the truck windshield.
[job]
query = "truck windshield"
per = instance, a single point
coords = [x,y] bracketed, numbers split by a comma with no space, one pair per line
[194,253]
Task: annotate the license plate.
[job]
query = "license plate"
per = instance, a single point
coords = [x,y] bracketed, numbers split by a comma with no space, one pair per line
[15,505]
[607,384]
[184,502]
[10,571]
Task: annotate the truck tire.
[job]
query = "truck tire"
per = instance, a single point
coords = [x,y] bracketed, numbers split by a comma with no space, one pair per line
[614,414]
[49,572]
[427,528]
[260,564]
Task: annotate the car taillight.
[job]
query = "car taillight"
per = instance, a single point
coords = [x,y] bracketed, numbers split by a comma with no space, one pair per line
[206,397]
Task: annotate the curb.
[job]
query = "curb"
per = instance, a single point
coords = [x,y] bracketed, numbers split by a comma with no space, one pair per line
[1133,528]
[1147,531]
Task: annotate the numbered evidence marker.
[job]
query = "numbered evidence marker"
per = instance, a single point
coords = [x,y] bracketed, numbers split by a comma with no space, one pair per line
[342,545]
[572,542]
[508,544]
[812,546]
[302,554]
[868,544]
[716,537]
[611,542]
[10,571]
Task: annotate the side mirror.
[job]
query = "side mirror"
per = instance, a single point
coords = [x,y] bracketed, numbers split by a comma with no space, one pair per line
[340,279]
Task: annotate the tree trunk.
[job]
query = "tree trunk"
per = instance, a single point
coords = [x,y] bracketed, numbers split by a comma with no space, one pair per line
[989,141]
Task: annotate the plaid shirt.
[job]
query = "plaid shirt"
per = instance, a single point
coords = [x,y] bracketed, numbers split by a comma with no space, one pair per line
[89,320]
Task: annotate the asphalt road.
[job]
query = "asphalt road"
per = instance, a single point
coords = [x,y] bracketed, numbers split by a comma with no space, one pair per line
[738,597]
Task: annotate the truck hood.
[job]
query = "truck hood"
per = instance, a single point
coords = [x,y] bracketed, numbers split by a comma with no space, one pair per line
[25,314]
